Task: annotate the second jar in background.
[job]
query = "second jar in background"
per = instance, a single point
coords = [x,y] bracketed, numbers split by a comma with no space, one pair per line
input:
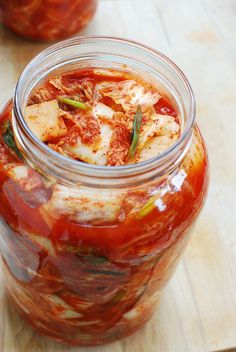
[48,19]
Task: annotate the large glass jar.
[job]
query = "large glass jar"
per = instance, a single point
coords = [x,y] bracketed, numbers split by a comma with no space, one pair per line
[48,19]
[92,273]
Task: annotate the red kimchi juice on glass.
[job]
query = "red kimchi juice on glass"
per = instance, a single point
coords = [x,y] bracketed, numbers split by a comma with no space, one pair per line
[102,173]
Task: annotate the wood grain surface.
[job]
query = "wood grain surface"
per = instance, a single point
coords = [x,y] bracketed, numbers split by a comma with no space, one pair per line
[198,310]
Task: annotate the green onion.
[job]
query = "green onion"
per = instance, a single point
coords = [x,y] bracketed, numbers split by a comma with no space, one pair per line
[9,140]
[90,259]
[149,206]
[104,272]
[135,131]
[118,297]
[74,103]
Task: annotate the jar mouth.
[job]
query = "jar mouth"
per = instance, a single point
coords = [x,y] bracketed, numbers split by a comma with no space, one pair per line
[22,130]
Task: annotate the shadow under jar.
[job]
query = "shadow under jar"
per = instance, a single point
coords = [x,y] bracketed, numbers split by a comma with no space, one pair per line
[77,280]
[47,19]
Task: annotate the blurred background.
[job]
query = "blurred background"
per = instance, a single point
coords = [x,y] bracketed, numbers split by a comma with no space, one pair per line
[198,310]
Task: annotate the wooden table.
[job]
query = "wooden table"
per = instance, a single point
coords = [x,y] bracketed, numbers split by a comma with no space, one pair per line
[198,309]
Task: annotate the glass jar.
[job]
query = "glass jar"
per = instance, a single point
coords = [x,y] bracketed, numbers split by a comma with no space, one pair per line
[92,274]
[47,20]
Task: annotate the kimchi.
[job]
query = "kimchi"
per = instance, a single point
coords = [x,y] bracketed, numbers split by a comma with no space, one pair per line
[86,265]
[48,19]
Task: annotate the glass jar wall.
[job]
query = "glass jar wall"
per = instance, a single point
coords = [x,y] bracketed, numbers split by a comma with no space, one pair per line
[92,274]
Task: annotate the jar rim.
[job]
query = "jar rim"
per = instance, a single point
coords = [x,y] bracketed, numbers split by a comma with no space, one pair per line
[107,171]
